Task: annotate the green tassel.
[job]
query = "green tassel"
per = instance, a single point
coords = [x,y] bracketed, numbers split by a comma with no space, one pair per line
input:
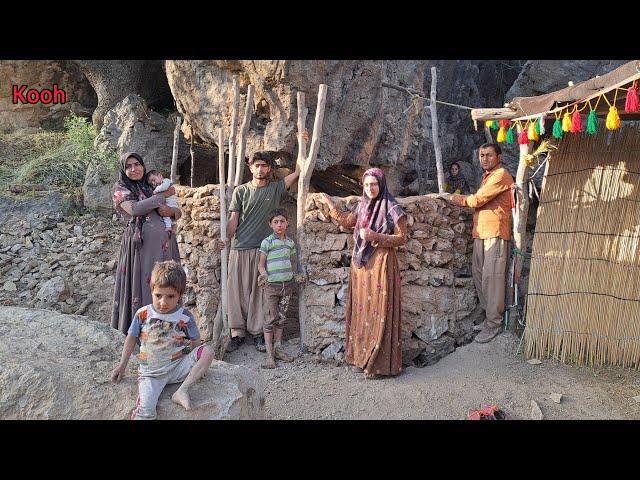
[557,128]
[537,127]
[592,122]
[494,125]
[510,136]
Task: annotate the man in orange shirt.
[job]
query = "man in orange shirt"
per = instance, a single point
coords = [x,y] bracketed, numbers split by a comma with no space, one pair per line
[491,235]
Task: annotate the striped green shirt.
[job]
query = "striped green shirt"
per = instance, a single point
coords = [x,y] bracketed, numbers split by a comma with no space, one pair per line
[279,253]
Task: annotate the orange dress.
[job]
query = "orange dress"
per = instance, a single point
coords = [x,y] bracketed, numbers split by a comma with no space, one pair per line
[373,336]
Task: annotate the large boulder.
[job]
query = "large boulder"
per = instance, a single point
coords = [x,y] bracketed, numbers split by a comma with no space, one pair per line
[131,126]
[80,98]
[364,122]
[55,366]
[115,79]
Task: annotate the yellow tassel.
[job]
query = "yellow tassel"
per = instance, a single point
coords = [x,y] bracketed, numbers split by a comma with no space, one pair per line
[532,135]
[566,122]
[488,123]
[502,135]
[613,119]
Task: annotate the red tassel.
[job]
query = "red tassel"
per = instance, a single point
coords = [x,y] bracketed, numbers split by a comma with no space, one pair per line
[631,103]
[522,137]
[576,122]
[503,123]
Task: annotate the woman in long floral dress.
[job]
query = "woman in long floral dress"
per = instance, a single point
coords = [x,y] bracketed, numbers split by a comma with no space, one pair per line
[373,336]
[145,239]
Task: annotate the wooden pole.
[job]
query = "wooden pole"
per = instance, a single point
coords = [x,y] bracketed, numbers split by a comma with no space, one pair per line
[522,207]
[174,156]
[193,157]
[242,141]
[434,131]
[223,339]
[234,127]
[306,169]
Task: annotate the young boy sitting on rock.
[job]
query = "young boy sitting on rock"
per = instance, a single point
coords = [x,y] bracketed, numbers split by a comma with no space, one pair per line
[170,350]
[277,279]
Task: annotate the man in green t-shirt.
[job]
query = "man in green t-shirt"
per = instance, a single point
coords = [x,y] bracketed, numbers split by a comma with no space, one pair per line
[248,225]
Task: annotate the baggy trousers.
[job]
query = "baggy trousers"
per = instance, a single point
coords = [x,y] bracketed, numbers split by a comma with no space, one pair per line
[245,297]
[489,268]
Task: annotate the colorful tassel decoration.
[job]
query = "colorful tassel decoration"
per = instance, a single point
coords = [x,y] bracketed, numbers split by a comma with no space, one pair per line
[592,122]
[503,123]
[494,125]
[613,119]
[566,122]
[576,122]
[631,103]
[532,135]
[502,135]
[522,137]
[488,123]
[510,136]
[557,129]
[540,125]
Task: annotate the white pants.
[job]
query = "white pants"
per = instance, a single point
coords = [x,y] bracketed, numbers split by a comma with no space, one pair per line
[150,388]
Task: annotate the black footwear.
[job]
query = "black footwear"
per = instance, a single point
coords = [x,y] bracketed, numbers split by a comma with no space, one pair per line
[235,343]
[259,343]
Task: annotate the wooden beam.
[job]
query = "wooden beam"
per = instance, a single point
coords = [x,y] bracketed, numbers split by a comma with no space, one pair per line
[522,208]
[306,169]
[193,156]
[434,131]
[174,156]
[242,141]
[483,114]
[234,127]
[221,331]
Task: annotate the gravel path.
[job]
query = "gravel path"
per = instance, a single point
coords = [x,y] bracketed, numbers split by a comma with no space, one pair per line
[474,374]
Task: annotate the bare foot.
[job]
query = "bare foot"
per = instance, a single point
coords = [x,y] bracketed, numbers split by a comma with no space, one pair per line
[270,363]
[181,397]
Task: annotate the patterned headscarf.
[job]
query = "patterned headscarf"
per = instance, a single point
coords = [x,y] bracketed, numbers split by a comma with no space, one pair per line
[380,214]
[126,189]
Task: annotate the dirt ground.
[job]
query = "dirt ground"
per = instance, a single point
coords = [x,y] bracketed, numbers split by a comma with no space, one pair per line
[473,375]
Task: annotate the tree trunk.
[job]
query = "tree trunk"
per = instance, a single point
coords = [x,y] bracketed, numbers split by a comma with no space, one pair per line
[434,131]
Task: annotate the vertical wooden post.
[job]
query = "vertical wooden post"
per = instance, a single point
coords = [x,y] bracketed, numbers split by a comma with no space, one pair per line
[242,141]
[306,169]
[224,254]
[174,156]
[234,127]
[193,157]
[522,208]
[434,131]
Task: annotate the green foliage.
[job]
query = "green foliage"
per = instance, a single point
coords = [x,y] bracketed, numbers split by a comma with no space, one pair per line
[60,159]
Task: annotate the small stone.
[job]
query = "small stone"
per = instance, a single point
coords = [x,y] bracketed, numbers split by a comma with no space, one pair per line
[28,243]
[534,361]
[536,413]
[636,398]
[77,230]
[9,286]
[556,397]
[16,247]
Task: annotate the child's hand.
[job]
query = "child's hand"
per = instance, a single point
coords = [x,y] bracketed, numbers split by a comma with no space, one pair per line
[117,374]
[262,279]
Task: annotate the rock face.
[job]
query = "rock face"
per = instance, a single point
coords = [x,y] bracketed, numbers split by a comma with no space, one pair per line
[55,366]
[132,126]
[539,77]
[113,80]
[39,74]
[364,123]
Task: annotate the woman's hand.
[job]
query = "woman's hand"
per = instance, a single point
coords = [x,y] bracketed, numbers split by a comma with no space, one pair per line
[326,199]
[366,234]
[165,211]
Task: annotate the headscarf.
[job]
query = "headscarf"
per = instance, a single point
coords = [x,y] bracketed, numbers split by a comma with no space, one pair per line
[126,189]
[380,214]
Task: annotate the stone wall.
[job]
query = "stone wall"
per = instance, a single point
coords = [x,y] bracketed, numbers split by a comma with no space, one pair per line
[437,291]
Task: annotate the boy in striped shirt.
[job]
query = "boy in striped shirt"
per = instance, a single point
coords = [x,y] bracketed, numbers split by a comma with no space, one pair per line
[277,257]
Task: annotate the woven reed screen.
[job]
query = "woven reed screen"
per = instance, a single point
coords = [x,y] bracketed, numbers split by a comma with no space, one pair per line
[584,284]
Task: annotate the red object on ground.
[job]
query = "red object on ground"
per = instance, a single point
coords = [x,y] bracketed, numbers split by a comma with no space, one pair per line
[487,412]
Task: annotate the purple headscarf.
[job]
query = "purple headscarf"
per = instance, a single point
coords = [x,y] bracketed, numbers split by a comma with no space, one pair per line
[380,214]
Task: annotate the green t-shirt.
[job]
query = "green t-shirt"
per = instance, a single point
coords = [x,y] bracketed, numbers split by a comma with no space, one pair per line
[254,205]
